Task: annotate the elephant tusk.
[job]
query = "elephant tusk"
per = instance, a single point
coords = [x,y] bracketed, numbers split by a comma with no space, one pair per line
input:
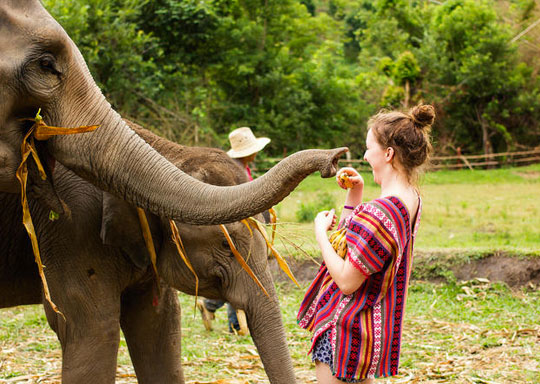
[242,321]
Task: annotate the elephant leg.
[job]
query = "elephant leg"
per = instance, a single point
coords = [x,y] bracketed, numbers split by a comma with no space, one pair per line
[89,336]
[153,335]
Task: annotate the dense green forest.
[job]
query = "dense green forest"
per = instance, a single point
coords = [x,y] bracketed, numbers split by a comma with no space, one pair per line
[309,73]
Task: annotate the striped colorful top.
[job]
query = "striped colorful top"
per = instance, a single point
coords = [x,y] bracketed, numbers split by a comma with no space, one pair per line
[366,325]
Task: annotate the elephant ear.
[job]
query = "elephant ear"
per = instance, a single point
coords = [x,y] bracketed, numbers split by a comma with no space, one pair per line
[120,227]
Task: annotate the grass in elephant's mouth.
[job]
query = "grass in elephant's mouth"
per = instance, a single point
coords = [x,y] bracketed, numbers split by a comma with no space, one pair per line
[457,333]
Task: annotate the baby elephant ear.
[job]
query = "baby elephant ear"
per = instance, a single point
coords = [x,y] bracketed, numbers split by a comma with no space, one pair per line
[120,227]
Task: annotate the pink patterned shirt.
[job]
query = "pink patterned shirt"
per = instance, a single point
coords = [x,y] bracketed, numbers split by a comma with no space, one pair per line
[366,325]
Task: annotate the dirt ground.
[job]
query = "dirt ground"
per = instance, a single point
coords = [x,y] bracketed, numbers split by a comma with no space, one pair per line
[513,270]
[443,350]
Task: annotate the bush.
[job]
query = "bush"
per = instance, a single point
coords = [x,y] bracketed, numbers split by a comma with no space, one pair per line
[307,212]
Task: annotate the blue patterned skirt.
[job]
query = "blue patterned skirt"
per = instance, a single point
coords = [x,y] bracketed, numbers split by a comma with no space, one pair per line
[322,351]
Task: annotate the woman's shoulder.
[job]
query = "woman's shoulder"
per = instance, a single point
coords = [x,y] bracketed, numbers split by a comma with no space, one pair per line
[373,224]
[389,210]
[374,210]
[388,205]
[386,212]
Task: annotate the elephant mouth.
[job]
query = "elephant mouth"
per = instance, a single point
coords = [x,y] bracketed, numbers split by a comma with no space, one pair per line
[48,161]
[46,158]
[38,188]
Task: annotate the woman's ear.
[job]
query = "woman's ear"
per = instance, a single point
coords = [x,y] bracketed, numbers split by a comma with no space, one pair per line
[389,154]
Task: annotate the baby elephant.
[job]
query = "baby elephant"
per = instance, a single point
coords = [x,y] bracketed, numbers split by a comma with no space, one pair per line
[220,275]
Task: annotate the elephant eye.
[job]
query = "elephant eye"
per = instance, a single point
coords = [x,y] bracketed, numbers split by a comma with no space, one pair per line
[47,63]
[225,244]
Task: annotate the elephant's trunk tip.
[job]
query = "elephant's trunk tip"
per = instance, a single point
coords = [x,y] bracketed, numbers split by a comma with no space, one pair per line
[330,167]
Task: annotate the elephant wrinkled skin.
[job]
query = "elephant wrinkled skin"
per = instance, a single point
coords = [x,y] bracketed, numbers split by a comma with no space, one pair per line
[99,274]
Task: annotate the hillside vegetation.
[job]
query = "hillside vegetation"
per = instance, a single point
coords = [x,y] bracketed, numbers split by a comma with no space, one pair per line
[309,73]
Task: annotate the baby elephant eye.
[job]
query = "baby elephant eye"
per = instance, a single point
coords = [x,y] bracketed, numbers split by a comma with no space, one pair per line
[225,244]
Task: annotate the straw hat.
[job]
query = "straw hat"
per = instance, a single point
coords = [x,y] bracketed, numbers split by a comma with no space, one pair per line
[244,143]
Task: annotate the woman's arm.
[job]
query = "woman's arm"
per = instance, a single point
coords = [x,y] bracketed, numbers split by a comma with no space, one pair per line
[347,277]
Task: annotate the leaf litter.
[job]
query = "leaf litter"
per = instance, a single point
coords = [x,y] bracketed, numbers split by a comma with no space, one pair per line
[437,347]
[434,350]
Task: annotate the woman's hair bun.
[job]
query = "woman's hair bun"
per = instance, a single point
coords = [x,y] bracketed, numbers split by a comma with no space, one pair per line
[422,115]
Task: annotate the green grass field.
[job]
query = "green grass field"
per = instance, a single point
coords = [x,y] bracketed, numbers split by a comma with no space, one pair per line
[472,332]
[460,332]
[473,210]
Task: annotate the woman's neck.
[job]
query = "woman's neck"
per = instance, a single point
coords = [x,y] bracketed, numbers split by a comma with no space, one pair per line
[394,183]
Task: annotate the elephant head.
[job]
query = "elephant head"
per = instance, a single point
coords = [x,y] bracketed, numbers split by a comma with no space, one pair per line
[40,67]
[220,275]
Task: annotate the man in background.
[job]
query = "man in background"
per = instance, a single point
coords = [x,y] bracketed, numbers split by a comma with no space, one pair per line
[244,149]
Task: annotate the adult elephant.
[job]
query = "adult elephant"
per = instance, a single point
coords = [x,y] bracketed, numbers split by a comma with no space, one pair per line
[99,275]
[40,67]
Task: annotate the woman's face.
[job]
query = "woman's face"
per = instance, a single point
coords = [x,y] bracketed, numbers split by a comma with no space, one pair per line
[375,155]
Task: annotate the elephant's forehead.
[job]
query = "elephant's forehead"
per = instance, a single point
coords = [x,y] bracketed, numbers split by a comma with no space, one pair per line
[213,232]
[201,230]
[26,22]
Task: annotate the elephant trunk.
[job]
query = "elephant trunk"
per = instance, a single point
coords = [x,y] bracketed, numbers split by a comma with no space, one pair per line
[117,160]
[268,333]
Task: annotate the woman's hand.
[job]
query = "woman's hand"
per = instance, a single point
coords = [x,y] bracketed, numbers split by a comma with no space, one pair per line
[352,179]
[325,221]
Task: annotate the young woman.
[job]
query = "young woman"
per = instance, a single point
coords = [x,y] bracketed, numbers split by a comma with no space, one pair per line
[355,305]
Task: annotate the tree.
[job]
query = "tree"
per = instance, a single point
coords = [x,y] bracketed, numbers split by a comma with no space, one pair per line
[309,73]
[119,55]
[474,71]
